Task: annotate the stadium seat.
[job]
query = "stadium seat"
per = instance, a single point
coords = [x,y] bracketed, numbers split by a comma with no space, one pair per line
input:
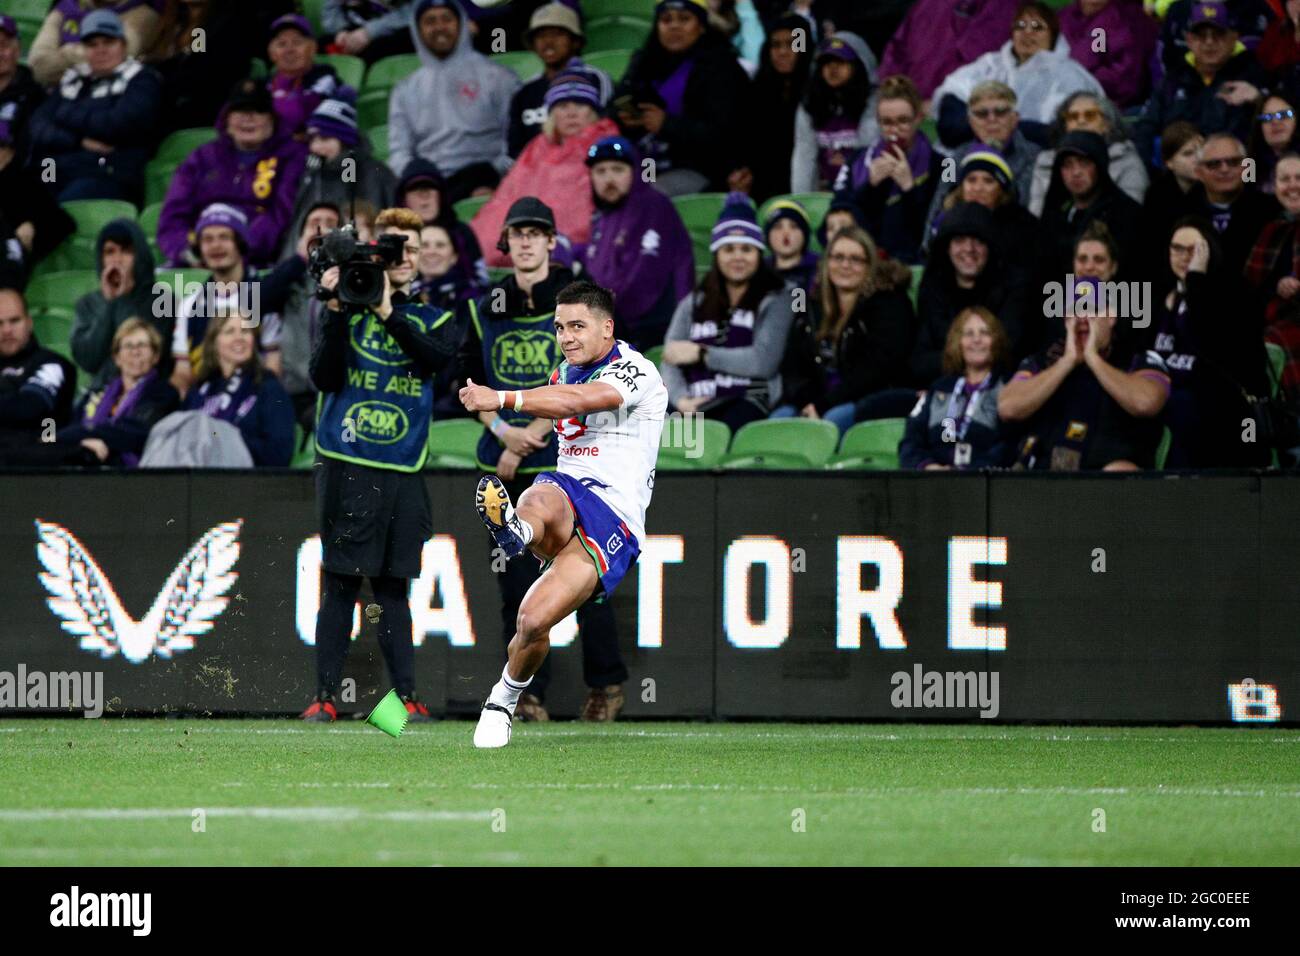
[311,9]
[27,30]
[453,443]
[304,449]
[386,73]
[692,443]
[378,136]
[78,250]
[870,446]
[930,127]
[178,145]
[524,63]
[1277,362]
[467,208]
[600,9]
[372,108]
[794,443]
[29,9]
[613,62]
[53,328]
[60,290]
[699,212]
[1162,450]
[915,287]
[149,217]
[351,69]
[617,33]
[655,354]
[499,273]
[157,177]
[258,68]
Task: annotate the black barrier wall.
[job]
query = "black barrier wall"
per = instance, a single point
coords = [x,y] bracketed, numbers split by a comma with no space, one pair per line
[877,596]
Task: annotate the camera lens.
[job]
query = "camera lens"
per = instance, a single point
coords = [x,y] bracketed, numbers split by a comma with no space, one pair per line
[362,283]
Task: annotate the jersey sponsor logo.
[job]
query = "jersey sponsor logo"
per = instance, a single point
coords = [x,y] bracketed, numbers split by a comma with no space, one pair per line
[580,451]
[524,356]
[650,242]
[570,428]
[624,372]
[613,544]
[380,423]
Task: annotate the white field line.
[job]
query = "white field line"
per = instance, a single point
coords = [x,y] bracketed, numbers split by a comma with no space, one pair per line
[291,814]
[116,853]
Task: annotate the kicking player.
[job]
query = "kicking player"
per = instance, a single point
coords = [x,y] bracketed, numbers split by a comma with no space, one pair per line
[585,521]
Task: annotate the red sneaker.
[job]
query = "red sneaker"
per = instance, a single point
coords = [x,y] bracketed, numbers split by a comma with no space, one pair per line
[321,711]
[419,714]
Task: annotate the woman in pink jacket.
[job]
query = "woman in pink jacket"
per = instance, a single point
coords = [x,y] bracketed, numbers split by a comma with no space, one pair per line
[553,166]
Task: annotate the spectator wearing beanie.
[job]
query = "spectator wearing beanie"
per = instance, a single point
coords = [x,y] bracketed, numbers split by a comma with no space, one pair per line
[253,165]
[639,248]
[838,114]
[1098,114]
[297,83]
[938,37]
[787,230]
[20,94]
[455,109]
[723,351]
[783,73]
[332,141]
[1123,67]
[893,181]
[125,265]
[421,188]
[683,100]
[553,167]
[966,267]
[58,47]
[98,126]
[555,35]
[1035,62]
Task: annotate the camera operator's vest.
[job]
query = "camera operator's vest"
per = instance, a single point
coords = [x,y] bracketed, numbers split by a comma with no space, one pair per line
[518,352]
[381,416]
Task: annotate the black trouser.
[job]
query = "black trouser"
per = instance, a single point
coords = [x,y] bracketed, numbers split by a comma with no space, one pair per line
[334,629]
[602,664]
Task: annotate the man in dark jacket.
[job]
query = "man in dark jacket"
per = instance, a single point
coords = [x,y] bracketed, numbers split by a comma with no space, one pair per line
[511,343]
[36,385]
[1081,192]
[966,268]
[125,266]
[20,94]
[29,211]
[1215,88]
[100,124]
[1237,211]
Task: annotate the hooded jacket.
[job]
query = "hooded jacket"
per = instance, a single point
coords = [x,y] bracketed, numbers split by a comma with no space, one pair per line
[1063,223]
[555,173]
[640,250]
[940,36]
[453,111]
[1041,83]
[1124,164]
[809,142]
[262,184]
[323,182]
[98,318]
[1001,289]
[121,109]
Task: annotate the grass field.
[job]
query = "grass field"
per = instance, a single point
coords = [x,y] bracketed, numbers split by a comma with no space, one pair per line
[124,792]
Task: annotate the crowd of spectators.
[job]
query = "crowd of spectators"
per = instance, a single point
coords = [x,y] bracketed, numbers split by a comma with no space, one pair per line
[1046,234]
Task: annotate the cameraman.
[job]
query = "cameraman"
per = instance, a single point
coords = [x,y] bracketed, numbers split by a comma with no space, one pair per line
[374,366]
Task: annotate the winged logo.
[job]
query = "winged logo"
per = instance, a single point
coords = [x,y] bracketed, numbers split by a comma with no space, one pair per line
[191,599]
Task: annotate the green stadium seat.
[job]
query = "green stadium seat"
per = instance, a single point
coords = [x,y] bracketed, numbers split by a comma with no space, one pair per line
[351,69]
[149,217]
[178,145]
[692,443]
[258,68]
[60,290]
[304,449]
[699,211]
[1277,362]
[600,9]
[27,30]
[157,177]
[386,73]
[794,443]
[655,354]
[372,108]
[467,208]
[524,63]
[53,328]
[311,9]
[914,289]
[870,446]
[78,250]
[453,443]
[613,62]
[499,273]
[617,33]
[378,136]
[930,128]
[1162,450]
[187,276]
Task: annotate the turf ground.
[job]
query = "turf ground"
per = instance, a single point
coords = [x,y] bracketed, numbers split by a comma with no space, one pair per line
[124,792]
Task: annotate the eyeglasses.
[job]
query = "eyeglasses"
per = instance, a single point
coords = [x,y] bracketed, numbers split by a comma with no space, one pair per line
[1033,26]
[1226,162]
[988,112]
[1181,250]
[844,259]
[1084,116]
[1274,117]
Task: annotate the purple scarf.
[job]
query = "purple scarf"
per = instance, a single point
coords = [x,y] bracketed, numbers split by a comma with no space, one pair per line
[673,87]
[112,405]
[918,160]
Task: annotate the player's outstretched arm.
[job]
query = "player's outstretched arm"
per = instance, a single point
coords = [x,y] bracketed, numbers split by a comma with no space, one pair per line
[550,401]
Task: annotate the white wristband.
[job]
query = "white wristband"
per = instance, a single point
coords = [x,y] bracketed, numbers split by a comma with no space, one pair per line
[501,399]
[519,400]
